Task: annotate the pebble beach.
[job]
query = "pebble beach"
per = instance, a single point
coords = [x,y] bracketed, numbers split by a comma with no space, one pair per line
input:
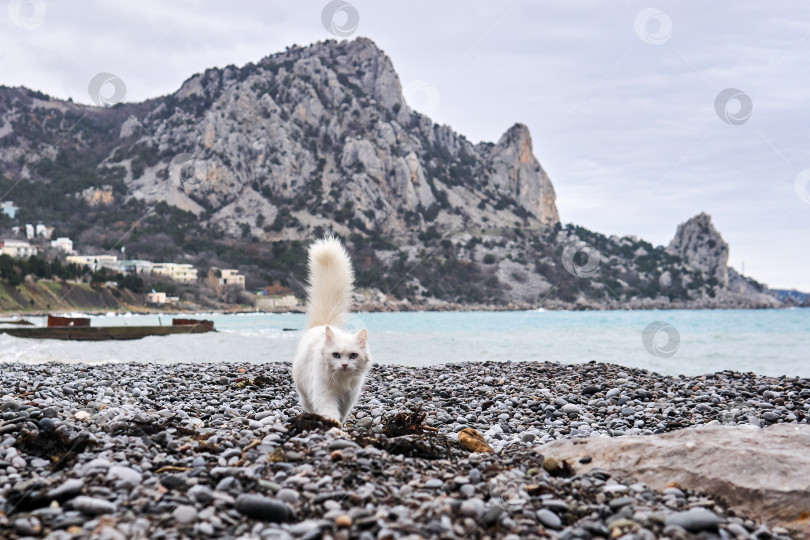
[131,450]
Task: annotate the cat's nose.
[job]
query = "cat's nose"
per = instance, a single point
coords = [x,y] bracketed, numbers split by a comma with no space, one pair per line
[345,366]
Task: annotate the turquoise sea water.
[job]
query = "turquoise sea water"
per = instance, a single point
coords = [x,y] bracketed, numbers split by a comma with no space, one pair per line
[772,342]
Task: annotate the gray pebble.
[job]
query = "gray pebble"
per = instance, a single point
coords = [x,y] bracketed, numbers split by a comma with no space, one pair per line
[549,519]
[201,493]
[288,495]
[124,477]
[570,408]
[66,489]
[185,514]
[694,520]
[474,507]
[434,483]
[93,505]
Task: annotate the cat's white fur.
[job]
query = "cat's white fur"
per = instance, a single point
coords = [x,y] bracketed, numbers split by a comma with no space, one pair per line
[328,385]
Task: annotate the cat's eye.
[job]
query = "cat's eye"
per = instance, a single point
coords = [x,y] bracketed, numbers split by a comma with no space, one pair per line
[335,355]
[353,355]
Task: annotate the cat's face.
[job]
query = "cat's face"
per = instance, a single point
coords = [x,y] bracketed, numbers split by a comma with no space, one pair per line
[345,352]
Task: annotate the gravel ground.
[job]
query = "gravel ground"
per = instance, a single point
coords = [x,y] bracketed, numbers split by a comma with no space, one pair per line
[220,451]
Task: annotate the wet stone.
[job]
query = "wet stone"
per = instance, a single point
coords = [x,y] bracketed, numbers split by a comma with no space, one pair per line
[262,508]
[68,488]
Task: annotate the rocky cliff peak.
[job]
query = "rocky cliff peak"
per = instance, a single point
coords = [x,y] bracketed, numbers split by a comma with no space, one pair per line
[322,134]
[701,246]
[311,137]
[519,172]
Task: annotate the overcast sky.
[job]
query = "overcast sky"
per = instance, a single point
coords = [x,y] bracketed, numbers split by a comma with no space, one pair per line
[619,96]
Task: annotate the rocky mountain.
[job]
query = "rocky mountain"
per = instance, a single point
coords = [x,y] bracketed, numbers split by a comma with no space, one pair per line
[241,167]
[792,297]
[701,247]
[699,244]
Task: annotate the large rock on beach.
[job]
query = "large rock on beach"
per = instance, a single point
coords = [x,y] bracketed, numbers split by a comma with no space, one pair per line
[760,472]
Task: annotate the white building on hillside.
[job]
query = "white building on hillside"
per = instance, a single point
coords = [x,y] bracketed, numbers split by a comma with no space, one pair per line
[19,249]
[136,266]
[95,262]
[232,277]
[156,297]
[63,244]
[184,273]
[44,232]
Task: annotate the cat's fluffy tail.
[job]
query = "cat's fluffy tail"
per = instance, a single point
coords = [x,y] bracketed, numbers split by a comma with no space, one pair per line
[331,282]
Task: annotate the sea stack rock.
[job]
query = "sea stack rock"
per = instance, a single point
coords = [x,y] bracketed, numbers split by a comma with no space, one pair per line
[699,244]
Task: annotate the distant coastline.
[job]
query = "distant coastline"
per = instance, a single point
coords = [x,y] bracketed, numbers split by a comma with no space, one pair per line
[238,310]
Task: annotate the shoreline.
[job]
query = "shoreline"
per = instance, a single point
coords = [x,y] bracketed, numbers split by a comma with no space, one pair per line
[213,450]
[458,309]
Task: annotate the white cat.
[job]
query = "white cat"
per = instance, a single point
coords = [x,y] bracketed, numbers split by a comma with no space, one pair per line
[330,364]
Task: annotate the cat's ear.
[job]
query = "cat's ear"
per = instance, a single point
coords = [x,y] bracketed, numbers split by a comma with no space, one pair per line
[330,336]
[362,337]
